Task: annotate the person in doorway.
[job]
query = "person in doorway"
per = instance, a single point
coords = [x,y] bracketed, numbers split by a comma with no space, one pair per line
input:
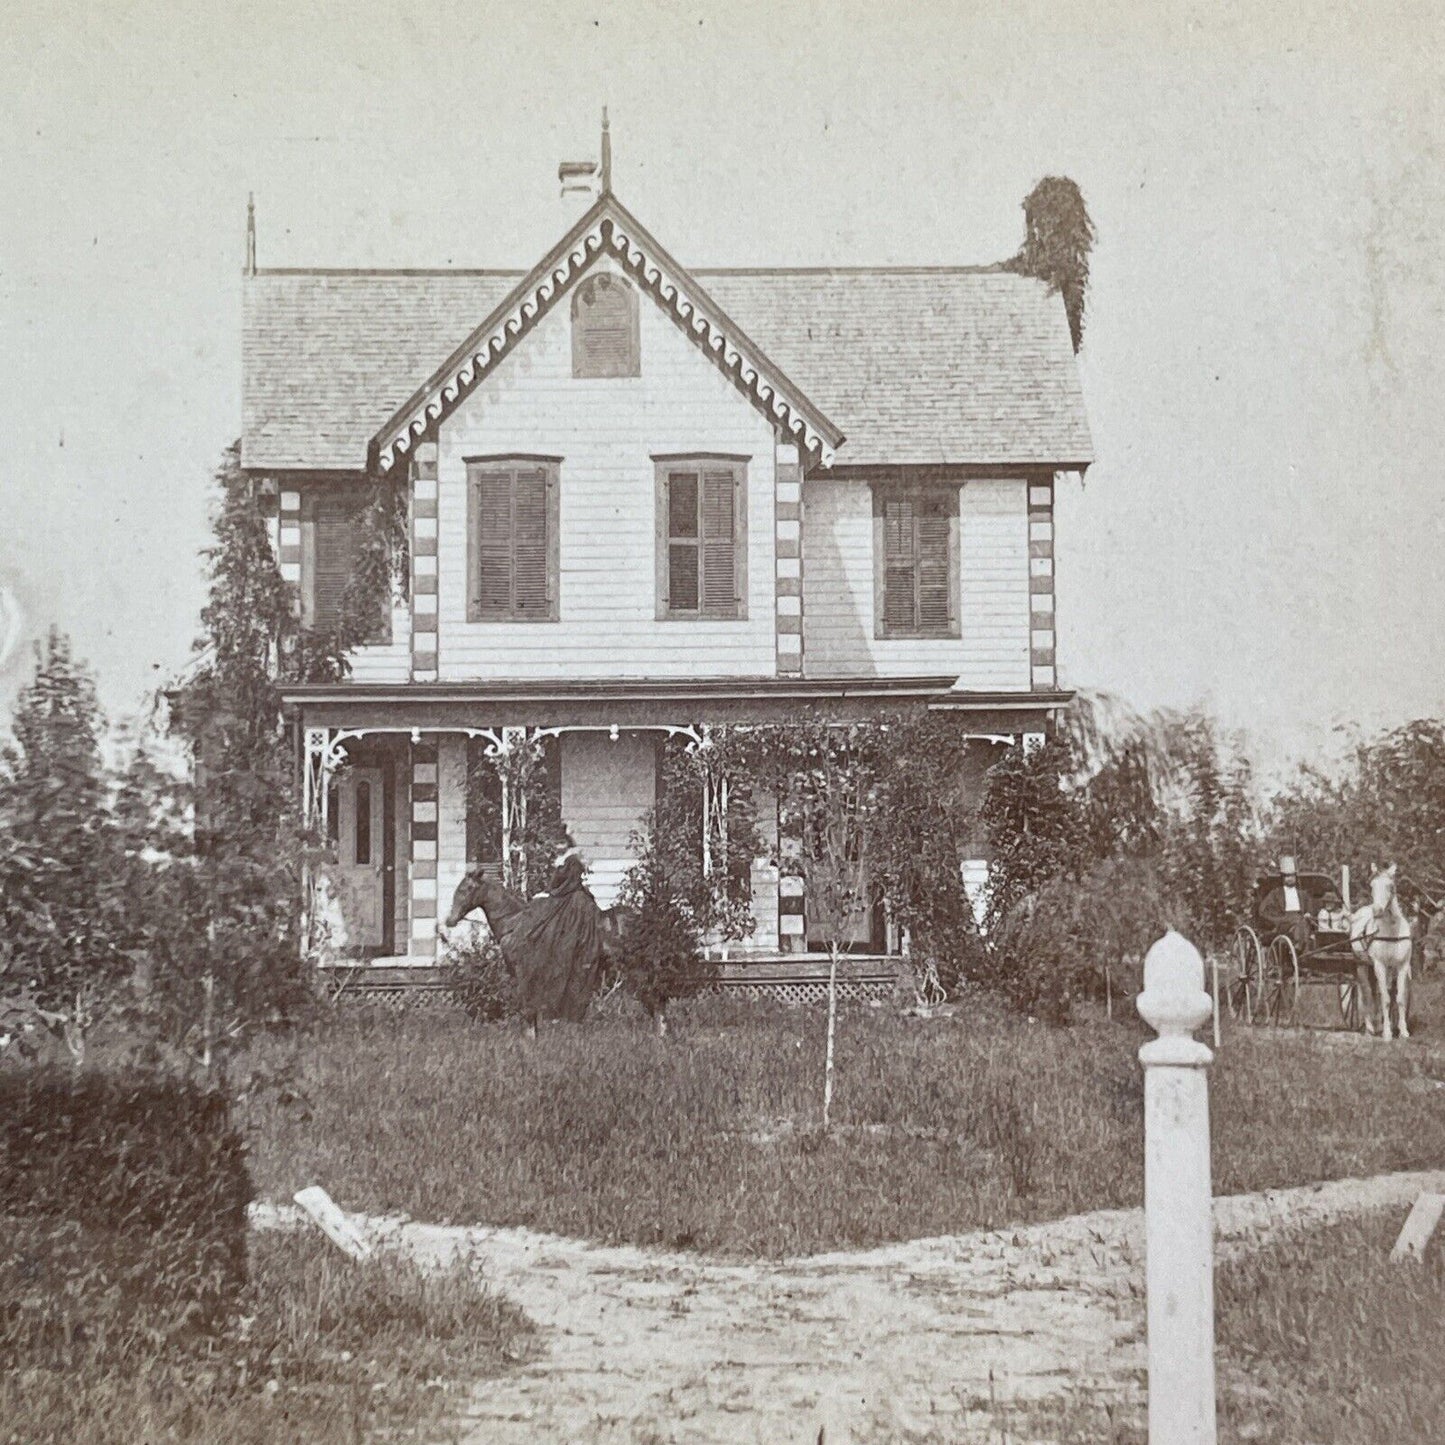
[1288,909]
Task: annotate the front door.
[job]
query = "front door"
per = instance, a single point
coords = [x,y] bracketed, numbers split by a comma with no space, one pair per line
[358,874]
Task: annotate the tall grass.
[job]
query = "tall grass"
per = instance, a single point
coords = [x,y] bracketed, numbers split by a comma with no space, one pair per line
[709,1139]
[1323,1338]
[329,1352]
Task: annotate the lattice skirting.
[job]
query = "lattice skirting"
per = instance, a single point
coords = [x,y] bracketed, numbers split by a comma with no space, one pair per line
[435,997]
[811,991]
[395,996]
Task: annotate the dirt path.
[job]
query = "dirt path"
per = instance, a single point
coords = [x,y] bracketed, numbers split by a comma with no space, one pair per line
[907,1342]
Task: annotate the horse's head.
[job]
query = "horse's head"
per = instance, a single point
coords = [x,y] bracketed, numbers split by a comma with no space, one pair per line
[1383,889]
[467,898]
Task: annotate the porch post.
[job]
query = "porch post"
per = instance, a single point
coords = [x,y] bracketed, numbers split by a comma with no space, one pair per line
[424,759]
[319,758]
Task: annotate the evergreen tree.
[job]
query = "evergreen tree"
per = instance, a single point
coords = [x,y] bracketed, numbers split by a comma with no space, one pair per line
[230,957]
[62,891]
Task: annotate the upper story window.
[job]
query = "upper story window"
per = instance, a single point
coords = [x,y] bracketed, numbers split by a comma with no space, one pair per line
[702,537]
[512,527]
[604,328]
[333,534]
[915,561]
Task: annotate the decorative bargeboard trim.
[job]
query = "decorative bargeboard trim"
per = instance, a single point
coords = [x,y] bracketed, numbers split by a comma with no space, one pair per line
[613,231]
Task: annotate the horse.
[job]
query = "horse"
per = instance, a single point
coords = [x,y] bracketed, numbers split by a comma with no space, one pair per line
[502,907]
[1382,937]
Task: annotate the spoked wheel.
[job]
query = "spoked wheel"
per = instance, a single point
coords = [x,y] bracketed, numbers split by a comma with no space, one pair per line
[1246,976]
[1281,981]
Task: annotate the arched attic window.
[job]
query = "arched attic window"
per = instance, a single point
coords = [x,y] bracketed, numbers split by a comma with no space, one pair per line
[604,328]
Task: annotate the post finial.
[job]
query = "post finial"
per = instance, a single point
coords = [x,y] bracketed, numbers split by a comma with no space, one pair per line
[606,154]
[251,233]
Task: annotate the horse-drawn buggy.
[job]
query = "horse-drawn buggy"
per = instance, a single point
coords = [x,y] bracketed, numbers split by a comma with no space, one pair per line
[1302,931]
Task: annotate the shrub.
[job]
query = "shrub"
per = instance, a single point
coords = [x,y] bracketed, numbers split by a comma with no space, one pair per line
[479,981]
[1079,934]
[663,953]
[125,1196]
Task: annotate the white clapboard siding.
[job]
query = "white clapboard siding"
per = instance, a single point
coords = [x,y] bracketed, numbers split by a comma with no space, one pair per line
[992,651]
[390,661]
[606,433]
[607,788]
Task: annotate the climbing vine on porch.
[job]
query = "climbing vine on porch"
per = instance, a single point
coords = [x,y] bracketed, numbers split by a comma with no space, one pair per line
[514,810]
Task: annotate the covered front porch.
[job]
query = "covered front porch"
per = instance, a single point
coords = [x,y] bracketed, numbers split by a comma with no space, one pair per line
[392,782]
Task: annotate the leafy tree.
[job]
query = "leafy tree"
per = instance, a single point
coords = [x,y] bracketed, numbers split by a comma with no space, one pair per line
[692,882]
[64,923]
[924,780]
[1058,242]
[1387,803]
[664,958]
[230,957]
[1035,824]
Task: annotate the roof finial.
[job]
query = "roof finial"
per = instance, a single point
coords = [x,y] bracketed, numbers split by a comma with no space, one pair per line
[606,155]
[251,233]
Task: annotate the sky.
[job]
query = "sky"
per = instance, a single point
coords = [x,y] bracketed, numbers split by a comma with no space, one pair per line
[1263,366]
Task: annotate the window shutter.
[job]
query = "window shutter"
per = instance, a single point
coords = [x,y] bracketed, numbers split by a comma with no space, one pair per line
[337,539]
[494,542]
[899,565]
[530,550]
[719,545]
[933,527]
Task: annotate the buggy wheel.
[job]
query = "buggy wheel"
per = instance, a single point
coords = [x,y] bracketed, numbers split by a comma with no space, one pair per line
[1281,987]
[1352,1006]
[1246,976]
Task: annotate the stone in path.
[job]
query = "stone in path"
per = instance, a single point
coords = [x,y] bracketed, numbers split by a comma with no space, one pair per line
[907,1342]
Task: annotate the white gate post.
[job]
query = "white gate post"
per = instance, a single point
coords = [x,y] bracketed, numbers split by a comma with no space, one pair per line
[1178,1202]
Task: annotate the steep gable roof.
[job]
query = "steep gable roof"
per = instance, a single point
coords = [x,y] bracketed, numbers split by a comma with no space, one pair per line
[904,365]
[607,228]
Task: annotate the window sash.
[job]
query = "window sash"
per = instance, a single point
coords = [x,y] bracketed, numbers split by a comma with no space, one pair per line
[702,540]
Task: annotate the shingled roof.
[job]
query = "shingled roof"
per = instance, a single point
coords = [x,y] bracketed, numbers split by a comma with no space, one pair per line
[919,366]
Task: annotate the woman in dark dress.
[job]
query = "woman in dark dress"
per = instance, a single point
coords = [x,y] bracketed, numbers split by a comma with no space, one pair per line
[555,943]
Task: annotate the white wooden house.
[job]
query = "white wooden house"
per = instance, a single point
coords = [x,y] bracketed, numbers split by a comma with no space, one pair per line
[644,499]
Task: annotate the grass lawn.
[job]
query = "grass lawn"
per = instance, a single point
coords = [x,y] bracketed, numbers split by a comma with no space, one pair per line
[334,1353]
[707,1139]
[1320,1340]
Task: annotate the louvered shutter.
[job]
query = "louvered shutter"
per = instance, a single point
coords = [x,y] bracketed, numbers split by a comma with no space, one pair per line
[684,579]
[719,545]
[899,558]
[932,533]
[337,539]
[604,336]
[530,596]
[494,542]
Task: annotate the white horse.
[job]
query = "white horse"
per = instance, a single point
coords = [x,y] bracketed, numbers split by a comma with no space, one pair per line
[1381,935]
